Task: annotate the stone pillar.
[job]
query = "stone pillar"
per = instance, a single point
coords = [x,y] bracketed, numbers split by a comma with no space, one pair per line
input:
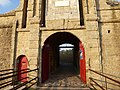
[93,40]
[34,49]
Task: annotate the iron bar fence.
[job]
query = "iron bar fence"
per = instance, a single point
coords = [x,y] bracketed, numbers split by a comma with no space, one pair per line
[11,72]
[9,79]
[6,70]
[106,78]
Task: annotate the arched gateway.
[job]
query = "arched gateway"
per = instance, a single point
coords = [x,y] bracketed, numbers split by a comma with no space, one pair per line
[51,58]
[28,31]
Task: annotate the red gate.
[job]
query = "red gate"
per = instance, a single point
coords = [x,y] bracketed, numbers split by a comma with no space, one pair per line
[82,63]
[22,65]
[45,63]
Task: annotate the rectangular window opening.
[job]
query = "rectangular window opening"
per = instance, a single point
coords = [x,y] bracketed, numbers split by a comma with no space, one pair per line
[43,9]
[81,13]
[34,8]
[24,17]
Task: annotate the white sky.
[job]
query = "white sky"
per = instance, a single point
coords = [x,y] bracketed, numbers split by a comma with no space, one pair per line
[66,45]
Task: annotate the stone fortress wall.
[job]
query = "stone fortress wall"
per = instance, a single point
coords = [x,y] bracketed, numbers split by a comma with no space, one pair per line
[20,32]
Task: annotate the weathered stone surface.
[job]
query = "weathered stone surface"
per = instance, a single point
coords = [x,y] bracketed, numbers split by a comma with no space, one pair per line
[5,45]
[63,78]
[100,33]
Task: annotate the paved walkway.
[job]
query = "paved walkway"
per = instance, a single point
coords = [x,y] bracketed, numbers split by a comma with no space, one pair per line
[64,78]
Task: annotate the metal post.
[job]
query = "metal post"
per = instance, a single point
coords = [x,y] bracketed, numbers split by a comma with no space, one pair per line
[105,83]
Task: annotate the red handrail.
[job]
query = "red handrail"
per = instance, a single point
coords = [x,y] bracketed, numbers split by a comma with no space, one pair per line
[14,82]
[105,76]
[97,84]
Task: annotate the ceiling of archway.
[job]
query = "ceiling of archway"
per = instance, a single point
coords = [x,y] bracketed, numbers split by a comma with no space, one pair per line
[62,37]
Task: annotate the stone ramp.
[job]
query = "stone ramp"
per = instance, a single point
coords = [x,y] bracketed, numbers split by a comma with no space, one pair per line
[64,78]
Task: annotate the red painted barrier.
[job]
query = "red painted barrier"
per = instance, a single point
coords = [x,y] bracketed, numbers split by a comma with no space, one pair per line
[82,63]
[45,63]
[22,65]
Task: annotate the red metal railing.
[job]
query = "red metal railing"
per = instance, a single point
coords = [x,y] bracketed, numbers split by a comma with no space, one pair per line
[8,78]
[116,82]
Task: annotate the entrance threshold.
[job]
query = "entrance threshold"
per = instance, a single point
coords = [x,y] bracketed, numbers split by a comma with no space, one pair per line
[63,78]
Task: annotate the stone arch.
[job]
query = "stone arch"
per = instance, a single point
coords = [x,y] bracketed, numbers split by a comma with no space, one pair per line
[64,32]
[50,52]
[50,34]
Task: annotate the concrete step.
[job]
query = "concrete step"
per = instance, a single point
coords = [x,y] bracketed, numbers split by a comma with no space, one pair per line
[10,87]
[63,88]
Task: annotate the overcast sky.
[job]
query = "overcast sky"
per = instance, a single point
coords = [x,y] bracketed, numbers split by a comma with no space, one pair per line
[8,5]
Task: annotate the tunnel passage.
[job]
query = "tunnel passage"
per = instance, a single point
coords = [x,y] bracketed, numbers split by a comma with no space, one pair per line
[66,54]
[51,55]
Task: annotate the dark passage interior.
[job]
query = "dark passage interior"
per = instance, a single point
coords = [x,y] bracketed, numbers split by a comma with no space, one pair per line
[66,53]
[60,61]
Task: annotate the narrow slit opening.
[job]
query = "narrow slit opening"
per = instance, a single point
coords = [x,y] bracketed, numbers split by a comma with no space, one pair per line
[24,17]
